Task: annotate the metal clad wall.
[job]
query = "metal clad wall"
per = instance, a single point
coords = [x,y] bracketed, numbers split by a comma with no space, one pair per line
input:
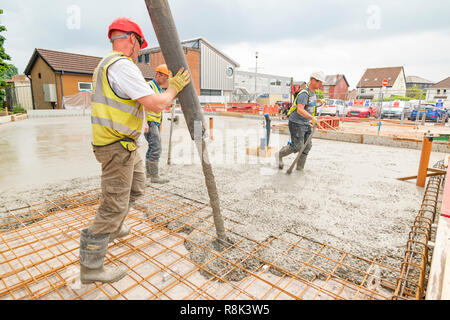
[213,70]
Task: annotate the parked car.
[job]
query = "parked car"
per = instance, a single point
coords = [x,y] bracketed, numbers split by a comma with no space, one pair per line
[395,109]
[432,112]
[334,107]
[363,111]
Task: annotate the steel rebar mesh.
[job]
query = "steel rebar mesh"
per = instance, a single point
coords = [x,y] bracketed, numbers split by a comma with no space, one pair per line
[413,276]
[171,253]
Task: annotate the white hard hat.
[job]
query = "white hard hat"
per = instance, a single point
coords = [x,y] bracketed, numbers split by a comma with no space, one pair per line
[318,75]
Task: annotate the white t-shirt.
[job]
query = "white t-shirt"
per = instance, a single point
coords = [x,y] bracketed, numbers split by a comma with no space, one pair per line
[127,81]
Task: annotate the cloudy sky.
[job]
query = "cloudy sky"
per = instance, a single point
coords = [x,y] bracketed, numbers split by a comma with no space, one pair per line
[293,38]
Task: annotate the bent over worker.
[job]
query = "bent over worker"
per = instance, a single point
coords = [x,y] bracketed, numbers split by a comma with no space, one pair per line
[119,97]
[300,115]
[154,119]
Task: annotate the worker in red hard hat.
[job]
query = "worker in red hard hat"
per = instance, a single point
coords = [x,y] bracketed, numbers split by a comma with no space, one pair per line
[153,136]
[120,98]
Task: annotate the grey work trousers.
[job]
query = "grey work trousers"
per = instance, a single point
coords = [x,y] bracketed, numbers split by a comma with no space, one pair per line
[153,137]
[299,134]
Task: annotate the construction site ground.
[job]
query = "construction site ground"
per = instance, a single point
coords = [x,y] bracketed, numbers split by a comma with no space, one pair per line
[338,230]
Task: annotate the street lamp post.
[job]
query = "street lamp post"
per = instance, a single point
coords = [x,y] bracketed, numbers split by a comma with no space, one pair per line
[256,74]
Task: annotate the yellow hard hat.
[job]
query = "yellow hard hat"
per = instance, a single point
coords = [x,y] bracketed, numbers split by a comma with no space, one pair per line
[163,69]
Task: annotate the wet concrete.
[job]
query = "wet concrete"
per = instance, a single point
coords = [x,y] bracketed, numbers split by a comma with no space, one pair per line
[46,150]
[347,196]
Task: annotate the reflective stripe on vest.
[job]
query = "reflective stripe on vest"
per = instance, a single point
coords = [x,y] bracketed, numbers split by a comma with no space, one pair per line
[113,118]
[151,116]
[294,107]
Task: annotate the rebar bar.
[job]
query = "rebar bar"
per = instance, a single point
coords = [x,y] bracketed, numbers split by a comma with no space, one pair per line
[39,257]
[412,280]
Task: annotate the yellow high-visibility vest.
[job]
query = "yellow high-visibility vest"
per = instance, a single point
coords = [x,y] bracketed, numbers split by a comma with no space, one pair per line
[151,116]
[294,107]
[114,119]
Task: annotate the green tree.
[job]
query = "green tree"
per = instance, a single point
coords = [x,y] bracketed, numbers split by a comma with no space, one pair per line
[320,94]
[10,71]
[416,93]
[6,69]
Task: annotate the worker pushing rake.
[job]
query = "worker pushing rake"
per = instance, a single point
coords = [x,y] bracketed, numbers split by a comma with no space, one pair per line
[301,116]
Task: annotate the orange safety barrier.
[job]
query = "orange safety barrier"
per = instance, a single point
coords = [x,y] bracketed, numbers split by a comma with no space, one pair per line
[214,107]
[250,108]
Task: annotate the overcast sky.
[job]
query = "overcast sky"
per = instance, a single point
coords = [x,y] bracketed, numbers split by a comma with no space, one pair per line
[293,38]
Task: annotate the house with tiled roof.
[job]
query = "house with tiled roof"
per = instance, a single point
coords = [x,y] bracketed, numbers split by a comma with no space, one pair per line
[439,91]
[371,83]
[55,74]
[336,86]
[419,82]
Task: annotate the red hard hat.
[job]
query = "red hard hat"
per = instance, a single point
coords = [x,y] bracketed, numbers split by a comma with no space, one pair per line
[127,25]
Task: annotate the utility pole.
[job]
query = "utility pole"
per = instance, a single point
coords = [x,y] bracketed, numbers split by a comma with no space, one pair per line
[256,75]
[169,41]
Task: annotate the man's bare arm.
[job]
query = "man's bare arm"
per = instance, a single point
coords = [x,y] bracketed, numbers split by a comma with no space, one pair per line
[158,102]
[301,111]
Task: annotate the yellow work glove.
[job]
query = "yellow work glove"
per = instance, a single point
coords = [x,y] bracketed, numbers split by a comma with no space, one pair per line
[314,121]
[321,102]
[180,80]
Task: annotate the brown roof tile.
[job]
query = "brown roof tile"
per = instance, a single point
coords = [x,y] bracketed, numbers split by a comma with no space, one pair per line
[374,77]
[332,80]
[442,84]
[76,63]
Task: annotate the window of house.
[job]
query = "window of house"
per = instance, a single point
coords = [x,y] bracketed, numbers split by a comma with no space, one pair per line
[39,75]
[438,91]
[366,79]
[140,59]
[371,89]
[147,58]
[363,90]
[376,79]
[445,91]
[84,86]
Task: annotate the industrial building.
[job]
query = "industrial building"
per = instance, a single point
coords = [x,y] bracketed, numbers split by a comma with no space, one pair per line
[213,72]
[268,87]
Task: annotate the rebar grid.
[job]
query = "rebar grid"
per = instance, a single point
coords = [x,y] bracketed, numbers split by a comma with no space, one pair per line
[412,280]
[39,248]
